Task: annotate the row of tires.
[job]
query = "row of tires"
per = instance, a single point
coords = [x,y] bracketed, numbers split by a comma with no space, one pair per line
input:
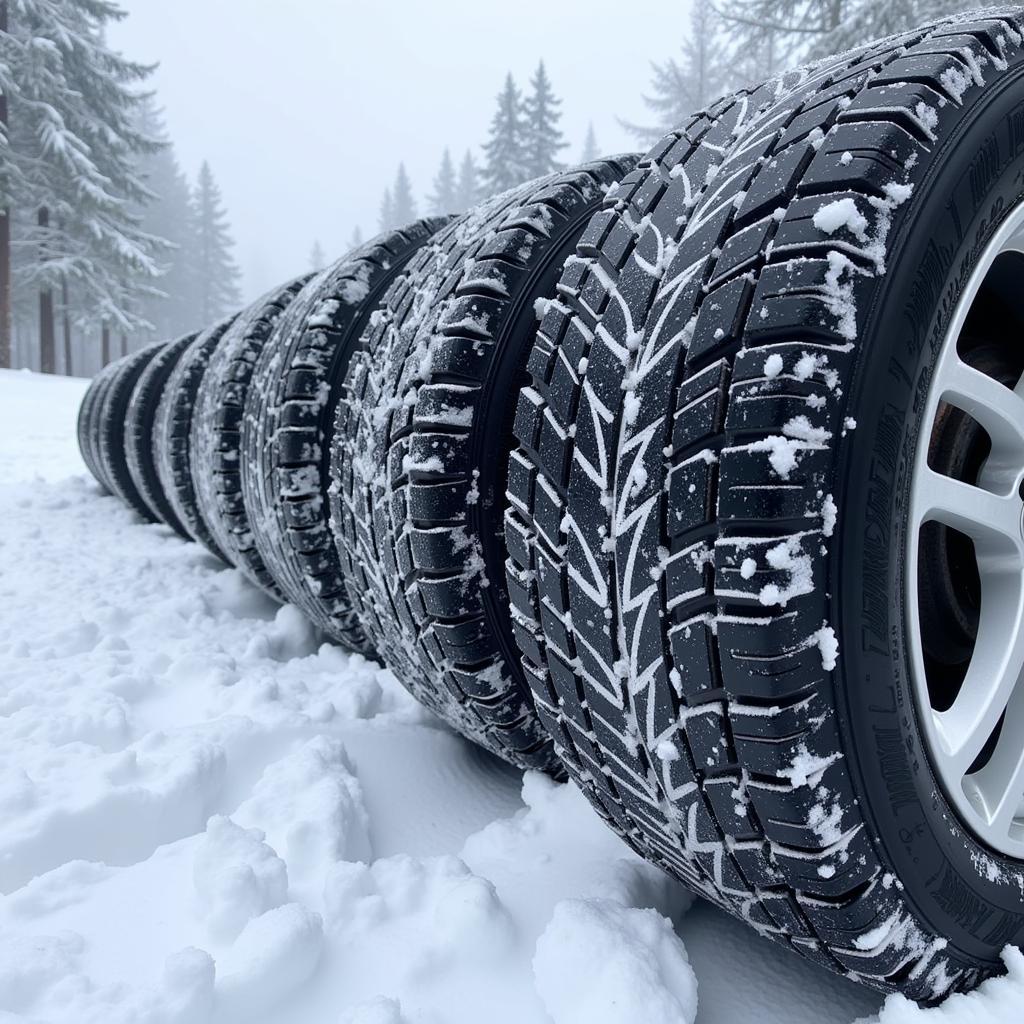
[612,471]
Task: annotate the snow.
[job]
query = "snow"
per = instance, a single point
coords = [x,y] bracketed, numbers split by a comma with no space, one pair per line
[211,816]
[842,213]
[784,452]
[237,877]
[806,769]
[645,974]
[996,1001]
[829,515]
[828,645]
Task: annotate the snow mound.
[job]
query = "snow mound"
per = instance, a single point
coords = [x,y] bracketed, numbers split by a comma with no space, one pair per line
[275,955]
[237,877]
[996,1001]
[600,961]
[310,805]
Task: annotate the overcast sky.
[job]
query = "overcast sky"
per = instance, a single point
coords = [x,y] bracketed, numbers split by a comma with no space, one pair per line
[304,109]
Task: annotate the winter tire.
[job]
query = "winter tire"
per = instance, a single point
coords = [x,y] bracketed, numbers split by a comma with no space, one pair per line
[422,439]
[732,405]
[112,419]
[139,432]
[217,432]
[88,423]
[290,409]
[172,434]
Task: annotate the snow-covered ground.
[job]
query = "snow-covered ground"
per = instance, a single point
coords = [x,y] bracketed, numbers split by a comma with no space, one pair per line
[208,815]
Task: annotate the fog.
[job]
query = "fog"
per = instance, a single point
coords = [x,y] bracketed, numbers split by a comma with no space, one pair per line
[305,109]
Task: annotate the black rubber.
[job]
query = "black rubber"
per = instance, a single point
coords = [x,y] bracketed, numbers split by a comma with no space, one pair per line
[676,572]
[88,424]
[172,434]
[290,409]
[217,432]
[420,448]
[139,432]
[112,415]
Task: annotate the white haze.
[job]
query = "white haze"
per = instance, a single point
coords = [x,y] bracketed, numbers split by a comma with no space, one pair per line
[305,109]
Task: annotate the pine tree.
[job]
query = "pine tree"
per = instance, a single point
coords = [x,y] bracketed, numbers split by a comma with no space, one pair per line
[404,210]
[800,29]
[860,21]
[216,272]
[356,238]
[681,88]
[6,182]
[467,191]
[317,257]
[444,198]
[590,149]
[386,217]
[542,137]
[771,35]
[68,166]
[505,149]
[168,214]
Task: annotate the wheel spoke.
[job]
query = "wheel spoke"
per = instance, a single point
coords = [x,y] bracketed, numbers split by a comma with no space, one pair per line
[992,521]
[993,679]
[997,408]
[1000,783]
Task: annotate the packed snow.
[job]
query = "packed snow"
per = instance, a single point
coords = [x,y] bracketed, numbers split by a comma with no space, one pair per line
[210,815]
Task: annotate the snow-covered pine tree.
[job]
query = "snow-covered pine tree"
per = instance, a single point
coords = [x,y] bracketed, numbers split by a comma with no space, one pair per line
[679,88]
[770,35]
[590,149]
[444,199]
[759,47]
[802,29]
[6,185]
[862,20]
[356,238]
[505,148]
[317,257]
[169,215]
[404,209]
[386,217]
[543,138]
[467,191]
[216,272]
[68,165]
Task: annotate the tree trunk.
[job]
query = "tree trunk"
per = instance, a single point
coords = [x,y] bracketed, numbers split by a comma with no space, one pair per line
[105,345]
[5,240]
[66,317]
[47,327]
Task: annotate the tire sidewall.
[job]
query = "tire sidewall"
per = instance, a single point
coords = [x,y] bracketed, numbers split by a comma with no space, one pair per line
[964,891]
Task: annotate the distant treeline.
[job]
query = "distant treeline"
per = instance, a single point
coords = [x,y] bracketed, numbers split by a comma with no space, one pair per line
[105,243]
